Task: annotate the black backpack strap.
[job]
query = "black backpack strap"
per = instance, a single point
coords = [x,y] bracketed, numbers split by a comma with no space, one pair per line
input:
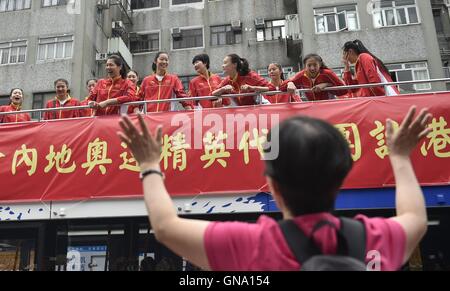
[354,233]
[351,238]
[298,242]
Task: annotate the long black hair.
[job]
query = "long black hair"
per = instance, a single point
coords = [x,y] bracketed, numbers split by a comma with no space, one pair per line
[359,48]
[154,66]
[120,63]
[317,58]
[242,67]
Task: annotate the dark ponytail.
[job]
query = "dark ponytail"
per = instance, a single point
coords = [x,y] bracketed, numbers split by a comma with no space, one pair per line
[359,48]
[242,67]
[120,63]
[154,66]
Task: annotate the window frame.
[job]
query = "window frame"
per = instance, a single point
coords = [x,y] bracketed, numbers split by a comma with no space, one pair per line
[382,12]
[336,18]
[147,33]
[187,28]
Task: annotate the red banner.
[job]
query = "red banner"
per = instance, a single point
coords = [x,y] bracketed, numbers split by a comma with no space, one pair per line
[216,151]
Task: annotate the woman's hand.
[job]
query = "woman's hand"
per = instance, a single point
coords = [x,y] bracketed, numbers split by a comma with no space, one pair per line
[291,88]
[217,103]
[319,88]
[227,89]
[402,142]
[246,88]
[146,148]
[346,62]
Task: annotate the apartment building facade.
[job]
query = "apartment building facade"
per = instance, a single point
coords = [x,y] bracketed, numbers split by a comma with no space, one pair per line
[50,39]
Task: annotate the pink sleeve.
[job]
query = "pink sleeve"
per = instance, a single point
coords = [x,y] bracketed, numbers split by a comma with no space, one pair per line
[386,238]
[230,245]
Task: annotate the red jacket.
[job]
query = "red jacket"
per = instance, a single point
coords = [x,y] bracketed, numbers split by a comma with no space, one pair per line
[281,98]
[367,69]
[252,79]
[13,118]
[303,81]
[169,88]
[201,86]
[62,114]
[122,89]
[86,112]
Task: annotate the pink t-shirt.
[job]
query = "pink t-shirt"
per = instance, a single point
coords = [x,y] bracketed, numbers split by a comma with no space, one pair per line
[237,246]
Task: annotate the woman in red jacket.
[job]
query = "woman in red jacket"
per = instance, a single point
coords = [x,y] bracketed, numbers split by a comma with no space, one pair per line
[205,83]
[369,70]
[115,90]
[240,79]
[61,100]
[315,76]
[16,97]
[133,76]
[162,85]
[90,85]
[276,80]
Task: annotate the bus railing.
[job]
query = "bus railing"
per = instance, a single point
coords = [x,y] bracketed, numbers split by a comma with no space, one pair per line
[258,101]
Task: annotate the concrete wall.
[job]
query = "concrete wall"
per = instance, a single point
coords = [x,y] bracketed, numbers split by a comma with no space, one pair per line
[30,25]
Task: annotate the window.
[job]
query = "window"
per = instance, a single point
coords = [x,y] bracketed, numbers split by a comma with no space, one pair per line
[50,3]
[54,48]
[181,2]
[410,72]
[144,4]
[13,52]
[224,34]
[188,38]
[144,43]
[395,13]
[14,5]
[273,30]
[334,19]
[447,72]
[40,101]
[4,100]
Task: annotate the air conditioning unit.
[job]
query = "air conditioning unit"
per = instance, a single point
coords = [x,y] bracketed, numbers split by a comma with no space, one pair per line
[101,57]
[118,25]
[176,33]
[236,25]
[103,4]
[260,23]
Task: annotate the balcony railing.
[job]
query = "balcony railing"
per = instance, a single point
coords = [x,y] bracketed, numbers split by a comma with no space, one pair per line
[258,100]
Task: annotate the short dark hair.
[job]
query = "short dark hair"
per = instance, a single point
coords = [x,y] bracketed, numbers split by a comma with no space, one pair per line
[62,80]
[314,159]
[204,58]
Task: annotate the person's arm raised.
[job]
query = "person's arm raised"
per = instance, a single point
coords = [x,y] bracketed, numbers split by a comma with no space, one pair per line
[185,237]
[410,204]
